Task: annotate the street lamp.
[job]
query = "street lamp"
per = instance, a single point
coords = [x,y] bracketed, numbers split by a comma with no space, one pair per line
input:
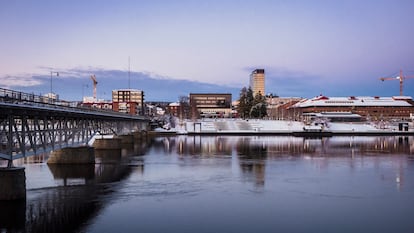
[51,74]
[83,90]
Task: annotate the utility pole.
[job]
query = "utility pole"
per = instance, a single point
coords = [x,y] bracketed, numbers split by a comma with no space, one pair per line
[51,74]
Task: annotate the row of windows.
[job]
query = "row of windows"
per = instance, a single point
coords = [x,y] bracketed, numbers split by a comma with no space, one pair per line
[208,98]
[212,106]
[211,102]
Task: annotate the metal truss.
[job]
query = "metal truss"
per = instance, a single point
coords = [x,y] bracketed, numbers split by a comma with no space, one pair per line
[27,130]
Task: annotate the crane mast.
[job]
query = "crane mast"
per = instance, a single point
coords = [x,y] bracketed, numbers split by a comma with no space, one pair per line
[400,78]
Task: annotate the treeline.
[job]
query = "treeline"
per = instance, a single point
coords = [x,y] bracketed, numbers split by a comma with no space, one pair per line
[251,106]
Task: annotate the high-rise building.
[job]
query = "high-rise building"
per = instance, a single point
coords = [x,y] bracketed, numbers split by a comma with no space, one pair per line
[129,101]
[257,82]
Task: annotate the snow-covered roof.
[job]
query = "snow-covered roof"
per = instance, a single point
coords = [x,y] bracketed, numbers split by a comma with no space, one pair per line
[402,97]
[357,101]
[333,115]
[174,104]
[133,90]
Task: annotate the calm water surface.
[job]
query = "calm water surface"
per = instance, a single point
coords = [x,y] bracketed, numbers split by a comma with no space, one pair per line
[225,184]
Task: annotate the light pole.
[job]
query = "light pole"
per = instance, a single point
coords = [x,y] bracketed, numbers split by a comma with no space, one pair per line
[83,91]
[51,74]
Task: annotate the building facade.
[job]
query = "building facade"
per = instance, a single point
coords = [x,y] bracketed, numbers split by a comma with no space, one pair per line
[99,105]
[257,82]
[277,107]
[210,105]
[129,101]
[369,108]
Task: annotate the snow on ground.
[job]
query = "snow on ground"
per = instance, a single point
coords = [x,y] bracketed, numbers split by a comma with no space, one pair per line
[265,126]
[352,127]
[239,125]
[99,136]
[276,126]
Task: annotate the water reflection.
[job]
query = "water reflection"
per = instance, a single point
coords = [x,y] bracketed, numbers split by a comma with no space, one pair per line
[254,151]
[12,216]
[284,146]
[269,184]
[78,194]
[81,174]
[212,172]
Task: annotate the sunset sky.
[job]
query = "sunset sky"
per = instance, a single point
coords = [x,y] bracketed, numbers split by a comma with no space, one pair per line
[307,48]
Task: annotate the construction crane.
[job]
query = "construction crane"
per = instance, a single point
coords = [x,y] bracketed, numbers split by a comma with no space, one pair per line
[401,78]
[93,77]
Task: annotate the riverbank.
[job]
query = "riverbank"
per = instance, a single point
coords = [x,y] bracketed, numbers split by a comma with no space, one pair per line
[280,127]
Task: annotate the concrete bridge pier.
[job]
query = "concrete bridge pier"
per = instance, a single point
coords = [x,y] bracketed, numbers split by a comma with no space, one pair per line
[127,144]
[141,140]
[12,183]
[108,149]
[127,139]
[72,155]
[140,135]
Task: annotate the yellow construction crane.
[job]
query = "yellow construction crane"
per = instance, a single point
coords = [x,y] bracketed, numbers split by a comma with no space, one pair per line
[93,77]
[401,78]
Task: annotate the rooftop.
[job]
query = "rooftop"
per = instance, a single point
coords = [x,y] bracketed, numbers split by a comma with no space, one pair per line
[395,101]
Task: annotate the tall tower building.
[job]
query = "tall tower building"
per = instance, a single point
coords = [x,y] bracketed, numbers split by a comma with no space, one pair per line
[257,82]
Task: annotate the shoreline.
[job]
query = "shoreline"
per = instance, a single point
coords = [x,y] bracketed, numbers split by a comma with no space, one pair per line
[285,128]
[305,134]
[284,133]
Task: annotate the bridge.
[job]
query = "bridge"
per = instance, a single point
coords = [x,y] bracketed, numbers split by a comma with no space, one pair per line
[33,124]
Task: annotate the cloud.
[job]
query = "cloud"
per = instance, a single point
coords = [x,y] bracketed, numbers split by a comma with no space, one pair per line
[74,83]
[9,81]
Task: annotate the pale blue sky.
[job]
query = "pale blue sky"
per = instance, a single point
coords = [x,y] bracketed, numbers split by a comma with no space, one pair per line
[307,47]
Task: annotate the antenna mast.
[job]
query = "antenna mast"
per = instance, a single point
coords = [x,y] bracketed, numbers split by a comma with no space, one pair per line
[129,73]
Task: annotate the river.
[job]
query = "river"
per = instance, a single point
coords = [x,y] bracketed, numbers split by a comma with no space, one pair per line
[225,184]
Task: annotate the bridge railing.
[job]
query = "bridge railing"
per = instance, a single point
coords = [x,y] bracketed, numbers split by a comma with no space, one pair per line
[7,95]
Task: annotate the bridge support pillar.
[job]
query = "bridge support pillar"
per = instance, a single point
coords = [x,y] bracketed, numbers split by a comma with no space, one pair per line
[107,144]
[108,149]
[72,155]
[127,139]
[138,136]
[127,144]
[12,183]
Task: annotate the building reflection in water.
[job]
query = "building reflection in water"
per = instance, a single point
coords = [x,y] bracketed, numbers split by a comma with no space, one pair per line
[252,156]
[84,189]
[254,151]
[193,145]
[67,207]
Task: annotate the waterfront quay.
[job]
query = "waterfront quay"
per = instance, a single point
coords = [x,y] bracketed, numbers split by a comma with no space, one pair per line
[194,183]
[238,126]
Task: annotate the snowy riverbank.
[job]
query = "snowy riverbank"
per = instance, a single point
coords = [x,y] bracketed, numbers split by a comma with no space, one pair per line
[240,126]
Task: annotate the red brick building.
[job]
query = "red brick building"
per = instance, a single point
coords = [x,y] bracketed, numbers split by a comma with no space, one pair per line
[375,108]
[128,101]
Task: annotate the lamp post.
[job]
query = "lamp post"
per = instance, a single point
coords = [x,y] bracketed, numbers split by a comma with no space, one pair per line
[83,90]
[51,74]
[51,98]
